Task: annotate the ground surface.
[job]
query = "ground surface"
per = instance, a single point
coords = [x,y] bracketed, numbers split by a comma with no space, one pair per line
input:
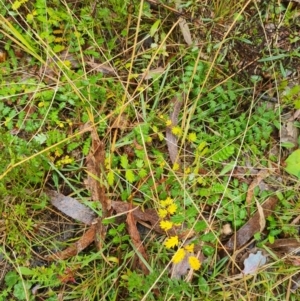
[149,150]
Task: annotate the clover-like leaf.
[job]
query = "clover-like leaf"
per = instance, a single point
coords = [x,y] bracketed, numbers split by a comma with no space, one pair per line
[293,163]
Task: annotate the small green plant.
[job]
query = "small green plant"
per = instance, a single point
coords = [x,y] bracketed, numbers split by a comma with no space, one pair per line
[71,66]
[167,209]
[293,164]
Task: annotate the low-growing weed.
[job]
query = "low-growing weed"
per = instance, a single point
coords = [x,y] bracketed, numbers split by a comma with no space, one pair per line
[121,67]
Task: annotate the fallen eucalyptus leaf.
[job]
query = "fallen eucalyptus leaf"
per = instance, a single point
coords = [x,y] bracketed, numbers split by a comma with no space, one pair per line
[152,73]
[185,31]
[253,263]
[285,245]
[71,207]
[85,240]
[136,240]
[264,173]
[171,139]
[244,234]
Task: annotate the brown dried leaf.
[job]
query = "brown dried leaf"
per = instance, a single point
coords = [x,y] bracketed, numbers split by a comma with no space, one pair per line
[148,216]
[152,73]
[103,68]
[87,238]
[3,55]
[260,176]
[78,211]
[171,139]
[244,234]
[136,240]
[285,245]
[71,207]
[185,31]
[294,260]
[262,220]
[95,167]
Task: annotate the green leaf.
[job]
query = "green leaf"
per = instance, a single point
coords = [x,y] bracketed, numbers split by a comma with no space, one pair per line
[297,104]
[142,173]
[58,48]
[242,213]
[154,28]
[21,290]
[130,176]
[201,146]
[228,167]
[293,164]
[124,161]
[208,250]
[203,192]
[257,236]
[11,278]
[202,285]
[110,178]
[191,212]
[287,144]
[200,226]
[139,163]
[26,271]
[271,239]
[177,219]
[40,138]
[209,237]
[272,58]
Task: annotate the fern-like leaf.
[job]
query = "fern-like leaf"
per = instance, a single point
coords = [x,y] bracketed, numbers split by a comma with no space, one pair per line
[224,153]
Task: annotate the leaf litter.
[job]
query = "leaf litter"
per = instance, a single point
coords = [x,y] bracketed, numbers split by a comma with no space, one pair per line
[136,240]
[254,262]
[135,215]
[246,232]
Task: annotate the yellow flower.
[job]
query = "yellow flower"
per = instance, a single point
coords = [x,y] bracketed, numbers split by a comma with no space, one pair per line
[202,145]
[168,201]
[189,248]
[187,170]
[166,225]
[201,180]
[172,208]
[58,152]
[59,40]
[70,123]
[168,122]
[162,164]
[178,256]
[194,263]
[16,5]
[171,242]
[192,137]
[177,131]
[175,166]
[162,213]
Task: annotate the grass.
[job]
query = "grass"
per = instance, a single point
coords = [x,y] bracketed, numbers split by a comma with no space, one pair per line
[123,67]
